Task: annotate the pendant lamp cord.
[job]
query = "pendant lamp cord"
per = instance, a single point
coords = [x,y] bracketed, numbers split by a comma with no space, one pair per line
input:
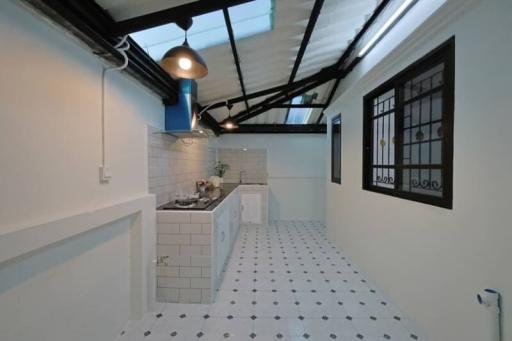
[122,46]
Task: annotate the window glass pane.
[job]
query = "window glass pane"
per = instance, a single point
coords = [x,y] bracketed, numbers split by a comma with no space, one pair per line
[208,29]
[384,177]
[336,149]
[300,115]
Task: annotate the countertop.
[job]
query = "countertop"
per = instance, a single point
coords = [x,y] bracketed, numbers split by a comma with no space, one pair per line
[220,193]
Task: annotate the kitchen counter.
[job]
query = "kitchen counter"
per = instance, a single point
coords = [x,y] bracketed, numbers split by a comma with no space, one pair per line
[220,193]
[194,245]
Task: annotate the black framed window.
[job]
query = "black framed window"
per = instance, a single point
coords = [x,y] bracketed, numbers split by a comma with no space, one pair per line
[336,149]
[408,131]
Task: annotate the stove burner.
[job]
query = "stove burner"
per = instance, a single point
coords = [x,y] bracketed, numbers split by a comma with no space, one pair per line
[185,205]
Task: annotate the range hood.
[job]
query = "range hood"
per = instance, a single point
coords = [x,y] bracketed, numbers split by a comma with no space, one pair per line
[180,118]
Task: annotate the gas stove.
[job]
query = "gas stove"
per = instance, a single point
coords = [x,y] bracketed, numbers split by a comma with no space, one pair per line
[189,204]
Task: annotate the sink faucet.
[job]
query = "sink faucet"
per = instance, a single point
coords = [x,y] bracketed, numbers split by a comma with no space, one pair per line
[241,173]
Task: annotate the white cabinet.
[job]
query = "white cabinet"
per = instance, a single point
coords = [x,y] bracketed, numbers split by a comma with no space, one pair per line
[254,205]
[222,223]
[251,208]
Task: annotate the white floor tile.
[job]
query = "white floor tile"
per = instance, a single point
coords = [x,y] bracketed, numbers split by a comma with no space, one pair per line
[283,282]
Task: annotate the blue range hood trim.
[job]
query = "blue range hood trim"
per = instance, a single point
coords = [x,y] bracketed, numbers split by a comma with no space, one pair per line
[178,117]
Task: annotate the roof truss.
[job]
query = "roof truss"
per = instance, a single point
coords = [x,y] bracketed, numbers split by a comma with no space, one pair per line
[171,15]
[90,23]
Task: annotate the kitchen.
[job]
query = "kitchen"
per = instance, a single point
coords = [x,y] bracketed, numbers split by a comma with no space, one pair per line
[255,170]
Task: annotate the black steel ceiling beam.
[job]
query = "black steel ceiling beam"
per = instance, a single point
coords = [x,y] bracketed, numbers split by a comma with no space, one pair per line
[91,24]
[350,49]
[307,83]
[278,129]
[174,14]
[329,99]
[244,116]
[299,106]
[315,13]
[210,122]
[265,92]
[234,51]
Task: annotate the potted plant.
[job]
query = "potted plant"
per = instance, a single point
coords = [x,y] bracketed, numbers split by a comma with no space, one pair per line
[221,169]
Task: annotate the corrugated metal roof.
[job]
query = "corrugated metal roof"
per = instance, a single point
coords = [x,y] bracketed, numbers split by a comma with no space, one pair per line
[267,59]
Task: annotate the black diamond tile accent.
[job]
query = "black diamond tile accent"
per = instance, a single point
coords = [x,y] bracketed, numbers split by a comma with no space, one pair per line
[253,317]
[306,336]
[397,318]
[359,336]
[332,336]
[226,335]
[206,317]
[253,335]
[229,317]
[387,337]
[147,333]
[200,334]
[349,317]
[413,336]
[279,335]
[159,315]
[325,318]
[173,334]
[301,317]
[182,316]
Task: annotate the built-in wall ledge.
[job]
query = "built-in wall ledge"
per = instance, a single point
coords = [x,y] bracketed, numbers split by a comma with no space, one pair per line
[31,239]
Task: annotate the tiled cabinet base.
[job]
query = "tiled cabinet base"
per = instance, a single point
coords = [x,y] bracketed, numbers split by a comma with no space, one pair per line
[184,256]
[192,249]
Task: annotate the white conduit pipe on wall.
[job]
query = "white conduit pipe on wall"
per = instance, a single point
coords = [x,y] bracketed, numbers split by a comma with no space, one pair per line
[491,299]
[122,47]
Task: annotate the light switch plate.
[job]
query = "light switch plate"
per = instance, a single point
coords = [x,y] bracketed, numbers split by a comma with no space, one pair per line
[105,174]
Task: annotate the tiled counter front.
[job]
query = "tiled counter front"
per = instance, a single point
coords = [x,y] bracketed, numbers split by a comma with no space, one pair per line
[193,248]
[184,249]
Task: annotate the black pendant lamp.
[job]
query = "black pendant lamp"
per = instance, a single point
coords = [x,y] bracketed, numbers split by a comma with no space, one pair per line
[229,123]
[183,61]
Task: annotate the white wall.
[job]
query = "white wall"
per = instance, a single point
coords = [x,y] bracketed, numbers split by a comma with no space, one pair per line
[296,172]
[50,152]
[433,261]
[176,164]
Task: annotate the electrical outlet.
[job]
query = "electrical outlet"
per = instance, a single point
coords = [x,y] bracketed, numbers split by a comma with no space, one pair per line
[105,174]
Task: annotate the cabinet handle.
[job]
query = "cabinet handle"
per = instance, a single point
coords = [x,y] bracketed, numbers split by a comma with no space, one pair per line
[222,236]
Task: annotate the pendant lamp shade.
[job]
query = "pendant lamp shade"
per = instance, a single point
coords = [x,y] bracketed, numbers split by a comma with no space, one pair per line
[183,61]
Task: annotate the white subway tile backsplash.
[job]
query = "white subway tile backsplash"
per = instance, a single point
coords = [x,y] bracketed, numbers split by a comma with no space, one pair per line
[179,261]
[168,271]
[206,250]
[167,294]
[190,250]
[206,229]
[190,296]
[203,261]
[200,239]
[201,217]
[173,217]
[188,271]
[168,228]
[200,283]
[173,282]
[174,166]
[190,228]
[173,239]
[167,250]
[206,272]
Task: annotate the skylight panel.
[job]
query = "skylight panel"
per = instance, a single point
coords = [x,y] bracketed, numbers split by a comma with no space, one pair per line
[208,29]
[298,115]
